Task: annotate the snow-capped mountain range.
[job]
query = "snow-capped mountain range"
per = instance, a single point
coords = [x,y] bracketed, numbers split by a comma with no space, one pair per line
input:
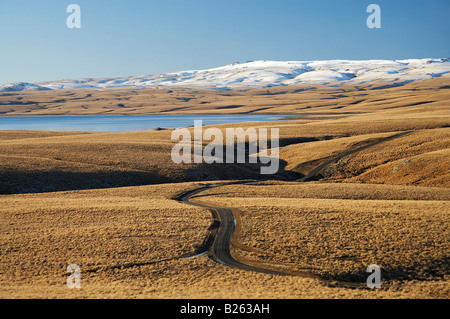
[258,74]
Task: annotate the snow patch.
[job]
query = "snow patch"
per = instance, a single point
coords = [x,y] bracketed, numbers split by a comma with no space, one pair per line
[259,74]
[22,86]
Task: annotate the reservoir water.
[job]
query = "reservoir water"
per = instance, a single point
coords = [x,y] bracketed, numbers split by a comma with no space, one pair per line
[123,123]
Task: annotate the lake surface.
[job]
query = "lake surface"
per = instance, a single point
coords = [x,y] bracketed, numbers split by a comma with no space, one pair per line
[123,123]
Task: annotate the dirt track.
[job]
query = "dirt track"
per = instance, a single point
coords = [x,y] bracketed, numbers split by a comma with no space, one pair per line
[220,250]
[311,175]
[222,242]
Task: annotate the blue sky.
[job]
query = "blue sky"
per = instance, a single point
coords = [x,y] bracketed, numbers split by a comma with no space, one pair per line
[122,38]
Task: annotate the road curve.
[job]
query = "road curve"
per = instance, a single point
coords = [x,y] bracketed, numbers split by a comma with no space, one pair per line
[222,242]
[319,168]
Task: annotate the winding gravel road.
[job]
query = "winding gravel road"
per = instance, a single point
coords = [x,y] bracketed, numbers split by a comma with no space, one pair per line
[222,242]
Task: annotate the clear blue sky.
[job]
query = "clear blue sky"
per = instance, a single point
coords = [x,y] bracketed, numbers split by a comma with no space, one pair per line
[133,37]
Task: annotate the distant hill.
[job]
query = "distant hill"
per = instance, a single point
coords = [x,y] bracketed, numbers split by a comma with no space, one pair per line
[261,74]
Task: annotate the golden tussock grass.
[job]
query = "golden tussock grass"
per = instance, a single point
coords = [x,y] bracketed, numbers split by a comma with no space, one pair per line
[387,204]
[324,100]
[42,234]
[338,237]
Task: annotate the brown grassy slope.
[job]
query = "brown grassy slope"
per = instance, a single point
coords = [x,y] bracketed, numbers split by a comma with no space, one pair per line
[12,135]
[293,99]
[41,234]
[78,161]
[429,169]
[304,157]
[328,229]
[130,243]
[419,158]
[324,190]
[39,161]
[99,160]
[203,278]
[32,162]
[333,229]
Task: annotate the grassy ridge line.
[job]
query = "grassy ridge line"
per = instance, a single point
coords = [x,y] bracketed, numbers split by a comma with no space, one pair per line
[313,174]
[127,159]
[292,99]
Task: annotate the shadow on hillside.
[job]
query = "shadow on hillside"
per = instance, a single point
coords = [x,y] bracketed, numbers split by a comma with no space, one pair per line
[21,182]
[430,269]
[224,171]
[52,181]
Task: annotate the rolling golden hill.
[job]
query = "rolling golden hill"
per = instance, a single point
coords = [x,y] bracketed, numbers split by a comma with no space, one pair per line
[364,179]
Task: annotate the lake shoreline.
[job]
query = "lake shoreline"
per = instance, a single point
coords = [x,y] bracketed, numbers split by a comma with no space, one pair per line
[129,123]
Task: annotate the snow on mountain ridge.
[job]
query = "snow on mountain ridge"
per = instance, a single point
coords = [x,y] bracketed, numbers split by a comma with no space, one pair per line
[256,74]
[22,86]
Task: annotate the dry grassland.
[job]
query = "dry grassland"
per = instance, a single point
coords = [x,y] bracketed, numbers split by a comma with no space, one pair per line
[337,230]
[293,99]
[36,163]
[132,242]
[74,197]
[41,234]
[418,158]
[200,277]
